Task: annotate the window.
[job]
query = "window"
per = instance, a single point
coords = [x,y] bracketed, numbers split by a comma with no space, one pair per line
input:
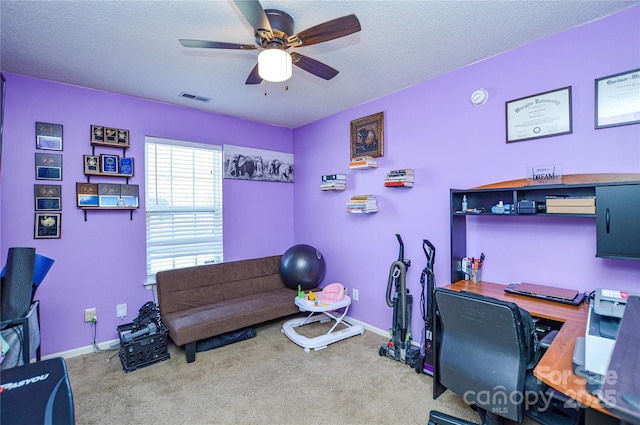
[183,204]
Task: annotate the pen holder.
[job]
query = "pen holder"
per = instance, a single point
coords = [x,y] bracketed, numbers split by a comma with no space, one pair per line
[475,275]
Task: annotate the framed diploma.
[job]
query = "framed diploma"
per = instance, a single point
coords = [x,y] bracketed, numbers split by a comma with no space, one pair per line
[47,226]
[618,99]
[542,115]
[109,164]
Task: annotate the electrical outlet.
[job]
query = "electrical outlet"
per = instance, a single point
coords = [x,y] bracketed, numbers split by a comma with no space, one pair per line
[90,314]
[121,310]
[355,294]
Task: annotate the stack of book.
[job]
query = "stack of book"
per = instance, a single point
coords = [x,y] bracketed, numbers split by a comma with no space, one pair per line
[362,204]
[363,162]
[401,178]
[334,182]
[571,205]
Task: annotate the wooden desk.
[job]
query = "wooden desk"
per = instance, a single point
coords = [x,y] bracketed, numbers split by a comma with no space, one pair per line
[556,366]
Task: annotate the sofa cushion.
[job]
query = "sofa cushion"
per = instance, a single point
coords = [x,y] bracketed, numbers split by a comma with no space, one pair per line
[216,318]
[187,288]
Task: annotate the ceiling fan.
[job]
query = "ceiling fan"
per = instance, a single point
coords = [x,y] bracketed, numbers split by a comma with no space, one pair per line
[274,30]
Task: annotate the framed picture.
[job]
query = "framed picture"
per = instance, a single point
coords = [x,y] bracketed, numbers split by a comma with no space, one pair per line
[123,138]
[367,136]
[109,164]
[244,163]
[47,226]
[618,99]
[48,136]
[47,197]
[91,164]
[48,166]
[126,167]
[541,115]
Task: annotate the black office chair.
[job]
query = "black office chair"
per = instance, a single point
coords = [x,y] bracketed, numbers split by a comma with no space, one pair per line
[486,350]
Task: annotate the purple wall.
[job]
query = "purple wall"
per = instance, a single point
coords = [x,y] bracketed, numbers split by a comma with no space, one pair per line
[431,127]
[101,262]
[434,129]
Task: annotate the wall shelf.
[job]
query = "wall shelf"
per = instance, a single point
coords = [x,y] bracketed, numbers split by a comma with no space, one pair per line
[617,204]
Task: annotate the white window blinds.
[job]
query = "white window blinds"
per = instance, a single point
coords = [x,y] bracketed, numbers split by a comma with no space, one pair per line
[183,204]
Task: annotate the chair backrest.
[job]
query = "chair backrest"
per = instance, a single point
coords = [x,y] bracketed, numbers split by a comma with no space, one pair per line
[483,351]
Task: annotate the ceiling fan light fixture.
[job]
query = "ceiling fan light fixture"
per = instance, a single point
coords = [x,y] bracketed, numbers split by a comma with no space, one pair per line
[274,65]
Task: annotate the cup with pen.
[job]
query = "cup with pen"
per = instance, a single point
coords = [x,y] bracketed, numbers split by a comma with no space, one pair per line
[472,268]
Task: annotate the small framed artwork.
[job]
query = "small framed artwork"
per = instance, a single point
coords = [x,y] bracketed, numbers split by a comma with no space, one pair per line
[541,115]
[48,197]
[48,136]
[91,164]
[126,167]
[123,138]
[111,135]
[367,136]
[109,164]
[618,99]
[48,166]
[97,134]
[47,226]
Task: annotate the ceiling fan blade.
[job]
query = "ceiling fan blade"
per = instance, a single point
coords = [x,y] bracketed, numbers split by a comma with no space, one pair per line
[254,14]
[313,66]
[329,30]
[254,77]
[215,44]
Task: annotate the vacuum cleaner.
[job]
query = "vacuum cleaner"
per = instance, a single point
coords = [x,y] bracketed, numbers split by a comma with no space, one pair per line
[424,363]
[399,346]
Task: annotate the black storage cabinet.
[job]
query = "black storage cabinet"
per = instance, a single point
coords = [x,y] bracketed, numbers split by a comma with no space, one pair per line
[618,221]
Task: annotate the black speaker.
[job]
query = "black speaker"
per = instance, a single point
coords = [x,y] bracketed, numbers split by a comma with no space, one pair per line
[17,283]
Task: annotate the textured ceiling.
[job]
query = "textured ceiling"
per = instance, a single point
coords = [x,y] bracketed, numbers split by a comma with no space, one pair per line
[131,47]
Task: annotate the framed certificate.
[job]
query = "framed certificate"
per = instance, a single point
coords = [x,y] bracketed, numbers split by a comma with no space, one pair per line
[126,167]
[47,226]
[109,164]
[618,99]
[542,115]
[91,164]
[48,166]
[48,136]
[48,197]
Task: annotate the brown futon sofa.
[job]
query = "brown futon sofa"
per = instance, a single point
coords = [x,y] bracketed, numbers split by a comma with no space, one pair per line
[205,301]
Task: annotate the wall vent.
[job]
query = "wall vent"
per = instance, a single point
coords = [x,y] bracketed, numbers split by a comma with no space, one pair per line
[194,97]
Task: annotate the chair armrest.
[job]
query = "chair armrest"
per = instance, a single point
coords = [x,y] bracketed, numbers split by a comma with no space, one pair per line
[548,339]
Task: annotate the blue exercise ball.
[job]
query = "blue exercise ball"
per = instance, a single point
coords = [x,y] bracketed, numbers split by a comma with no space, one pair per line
[302,265]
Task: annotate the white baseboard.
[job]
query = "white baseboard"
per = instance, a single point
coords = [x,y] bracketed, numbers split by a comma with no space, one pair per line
[107,345]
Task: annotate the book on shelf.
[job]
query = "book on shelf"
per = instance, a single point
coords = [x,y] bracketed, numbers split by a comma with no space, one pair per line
[363,162]
[399,173]
[334,177]
[398,183]
[330,186]
[360,211]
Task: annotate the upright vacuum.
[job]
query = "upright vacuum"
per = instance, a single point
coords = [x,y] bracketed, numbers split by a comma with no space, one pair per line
[399,346]
[428,282]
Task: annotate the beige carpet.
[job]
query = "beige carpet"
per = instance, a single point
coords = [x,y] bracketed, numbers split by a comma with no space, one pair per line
[264,380]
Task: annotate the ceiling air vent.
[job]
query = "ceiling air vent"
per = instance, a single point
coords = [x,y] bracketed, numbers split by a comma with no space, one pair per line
[194,97]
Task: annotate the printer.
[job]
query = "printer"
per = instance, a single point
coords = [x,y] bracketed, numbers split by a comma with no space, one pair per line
[592,353]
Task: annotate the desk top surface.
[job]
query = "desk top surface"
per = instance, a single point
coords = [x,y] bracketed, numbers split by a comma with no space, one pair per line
[551,310]
[555,368]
